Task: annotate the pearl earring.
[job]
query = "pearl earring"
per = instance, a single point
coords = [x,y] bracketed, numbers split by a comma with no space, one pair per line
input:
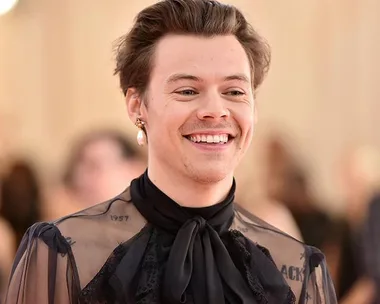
[141,135]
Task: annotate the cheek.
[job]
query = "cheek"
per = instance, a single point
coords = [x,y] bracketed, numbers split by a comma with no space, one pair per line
[172,117]
[245,119]
[164,128]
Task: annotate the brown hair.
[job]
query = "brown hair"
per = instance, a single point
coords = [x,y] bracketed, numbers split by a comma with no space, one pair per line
[134,51]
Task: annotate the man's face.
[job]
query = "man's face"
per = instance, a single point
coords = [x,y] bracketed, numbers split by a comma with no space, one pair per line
[200,107]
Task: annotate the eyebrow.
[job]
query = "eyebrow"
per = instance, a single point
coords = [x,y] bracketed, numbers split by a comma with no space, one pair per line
[240,77]
[176,77]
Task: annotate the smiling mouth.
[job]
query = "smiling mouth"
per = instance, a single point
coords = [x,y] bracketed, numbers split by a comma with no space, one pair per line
[209,139]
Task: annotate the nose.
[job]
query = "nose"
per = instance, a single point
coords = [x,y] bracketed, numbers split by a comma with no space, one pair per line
[213,107]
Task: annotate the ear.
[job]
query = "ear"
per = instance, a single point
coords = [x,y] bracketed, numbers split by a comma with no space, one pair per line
[135,105]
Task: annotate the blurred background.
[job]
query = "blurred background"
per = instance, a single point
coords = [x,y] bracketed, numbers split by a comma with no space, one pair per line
[313,169]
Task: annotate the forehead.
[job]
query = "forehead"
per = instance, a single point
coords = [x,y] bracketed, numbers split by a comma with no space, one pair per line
[206,57]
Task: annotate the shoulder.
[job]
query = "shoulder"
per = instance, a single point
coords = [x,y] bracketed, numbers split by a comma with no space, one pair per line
[90,235]
[104,225]
[113,221]
[260,231]
[276,214]
[255,226]
[293,258]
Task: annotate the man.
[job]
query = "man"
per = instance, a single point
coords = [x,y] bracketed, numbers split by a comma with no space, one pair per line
[189,70]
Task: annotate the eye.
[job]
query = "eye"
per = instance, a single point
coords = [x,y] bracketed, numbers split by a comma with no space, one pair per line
[187,92]
[234,93]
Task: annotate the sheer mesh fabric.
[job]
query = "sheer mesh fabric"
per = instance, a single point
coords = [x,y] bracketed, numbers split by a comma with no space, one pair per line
[66,260]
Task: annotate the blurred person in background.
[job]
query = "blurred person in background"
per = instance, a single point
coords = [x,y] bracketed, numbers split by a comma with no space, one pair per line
[7,236]
[21,197]
[287,183]
[359,268]
[7,252]
[20,207]
[101,164]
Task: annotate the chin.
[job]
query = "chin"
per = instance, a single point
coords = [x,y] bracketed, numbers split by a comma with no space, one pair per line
[208,175]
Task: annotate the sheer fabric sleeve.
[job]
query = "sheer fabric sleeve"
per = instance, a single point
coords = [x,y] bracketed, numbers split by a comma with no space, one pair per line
[44,269]
[303,267]
[318,286]
[56,261]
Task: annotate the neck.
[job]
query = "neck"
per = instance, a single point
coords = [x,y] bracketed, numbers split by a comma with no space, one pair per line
[186,191]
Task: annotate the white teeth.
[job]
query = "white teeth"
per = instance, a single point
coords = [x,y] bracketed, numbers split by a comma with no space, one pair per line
[222,138]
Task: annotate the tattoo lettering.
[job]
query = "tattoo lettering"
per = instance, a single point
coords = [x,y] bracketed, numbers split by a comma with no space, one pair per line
[119,218]
[293,273]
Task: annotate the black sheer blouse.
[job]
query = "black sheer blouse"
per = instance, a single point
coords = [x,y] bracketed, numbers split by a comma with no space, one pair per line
[142,247]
